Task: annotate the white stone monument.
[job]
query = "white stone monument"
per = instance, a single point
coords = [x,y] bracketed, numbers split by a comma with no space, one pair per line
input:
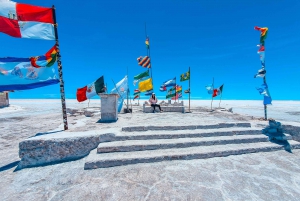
[109,107]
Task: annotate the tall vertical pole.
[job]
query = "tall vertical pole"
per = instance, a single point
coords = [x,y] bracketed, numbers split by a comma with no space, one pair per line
[127,91]
[265,106]
[212,96]
[62,90]
[148,54]
[190,89]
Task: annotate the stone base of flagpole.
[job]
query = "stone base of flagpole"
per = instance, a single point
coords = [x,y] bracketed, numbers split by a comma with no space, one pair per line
[127,110]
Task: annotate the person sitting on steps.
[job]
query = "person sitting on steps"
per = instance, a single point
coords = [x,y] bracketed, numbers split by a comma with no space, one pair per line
[153,102]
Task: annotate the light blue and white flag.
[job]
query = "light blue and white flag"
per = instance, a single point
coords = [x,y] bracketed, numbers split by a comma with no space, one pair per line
[209,88]
[121,89]
[263,89]
[19,74]
[149,93]
[168,83]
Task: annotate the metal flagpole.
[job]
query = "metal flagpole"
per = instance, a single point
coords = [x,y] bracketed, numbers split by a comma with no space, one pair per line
[220,99]
[189,89]
[212,96]
[62,90]
[265,82]
[148,54]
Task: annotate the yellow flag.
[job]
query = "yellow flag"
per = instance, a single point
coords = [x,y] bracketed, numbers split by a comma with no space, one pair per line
[145,85]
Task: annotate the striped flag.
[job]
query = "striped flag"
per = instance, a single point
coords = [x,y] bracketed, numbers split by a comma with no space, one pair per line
[144,61]
[177,96]
[136,92]
[137,96]
[26,21]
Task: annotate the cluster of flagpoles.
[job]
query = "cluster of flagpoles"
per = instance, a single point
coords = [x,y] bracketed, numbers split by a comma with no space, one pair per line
[214,92]
[263,89]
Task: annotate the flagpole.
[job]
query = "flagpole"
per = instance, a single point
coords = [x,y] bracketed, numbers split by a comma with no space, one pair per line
[127,92]
[265,82]
[265,106]
[148,54]
[62,90]
[220,99]
[212,96]
[189,89]
[175,89]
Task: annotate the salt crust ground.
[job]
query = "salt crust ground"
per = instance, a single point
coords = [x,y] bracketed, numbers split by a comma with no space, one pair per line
[259,176]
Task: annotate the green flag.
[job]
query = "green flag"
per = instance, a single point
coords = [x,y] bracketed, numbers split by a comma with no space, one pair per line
[185,76]
[142,75]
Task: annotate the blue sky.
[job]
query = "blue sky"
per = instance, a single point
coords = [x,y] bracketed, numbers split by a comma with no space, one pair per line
[215,38]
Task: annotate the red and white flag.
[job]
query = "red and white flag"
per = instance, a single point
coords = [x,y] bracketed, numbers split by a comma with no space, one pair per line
[26,21]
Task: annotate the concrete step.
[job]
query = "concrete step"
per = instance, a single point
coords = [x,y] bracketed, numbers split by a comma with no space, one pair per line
[185,127]
[105,160]
[160,134]
[141,145]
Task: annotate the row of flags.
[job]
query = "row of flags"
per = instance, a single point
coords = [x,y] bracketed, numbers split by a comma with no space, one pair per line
[147,87]
[175,92]
[263,89]
[27,21]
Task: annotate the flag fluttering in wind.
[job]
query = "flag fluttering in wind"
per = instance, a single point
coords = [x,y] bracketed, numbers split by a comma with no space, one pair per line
[177,96]
[45,61]
[263,35]
[26,21]
[185,76]
[263,89]
[163,88]
[149,92]
[136,92]
[147,43]
[261,73]
[144,61]
[218,91]
[19,74]
[262,58]
[187,91]
[172,92]
[140,76]
[168,83]
[121,89]
[145,85]
[209,88]
[91,90]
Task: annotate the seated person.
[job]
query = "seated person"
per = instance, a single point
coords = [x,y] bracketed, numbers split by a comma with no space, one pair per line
[153,102]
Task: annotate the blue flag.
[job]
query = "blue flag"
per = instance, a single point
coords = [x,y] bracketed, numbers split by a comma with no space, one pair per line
[209,88]
[149,93]
[168,83]
[121,89]
[21,74]
[267,100]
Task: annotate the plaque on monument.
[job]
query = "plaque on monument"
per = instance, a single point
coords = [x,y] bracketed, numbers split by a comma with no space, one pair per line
[109,107]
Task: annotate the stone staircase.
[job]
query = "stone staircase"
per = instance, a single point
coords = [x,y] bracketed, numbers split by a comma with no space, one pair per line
[162,143]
